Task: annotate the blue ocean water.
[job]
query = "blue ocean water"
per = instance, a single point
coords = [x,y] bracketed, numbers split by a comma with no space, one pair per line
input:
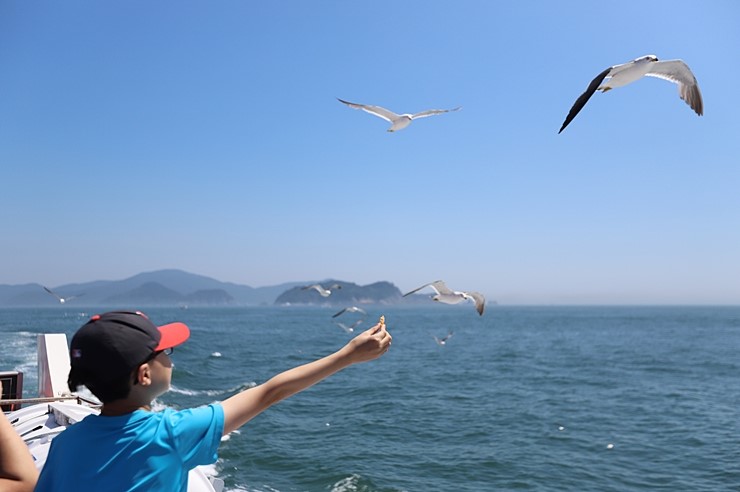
[523,398]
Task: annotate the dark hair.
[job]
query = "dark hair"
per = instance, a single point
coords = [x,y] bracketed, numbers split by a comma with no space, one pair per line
[105,391]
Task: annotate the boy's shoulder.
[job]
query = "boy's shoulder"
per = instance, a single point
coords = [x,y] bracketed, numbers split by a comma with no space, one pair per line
[95,422]
[97,425]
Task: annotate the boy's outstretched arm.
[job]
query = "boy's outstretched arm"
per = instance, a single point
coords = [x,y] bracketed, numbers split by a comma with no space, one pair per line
[242,407]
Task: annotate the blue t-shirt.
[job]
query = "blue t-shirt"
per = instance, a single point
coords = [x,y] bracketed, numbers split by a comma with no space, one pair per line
[140,451]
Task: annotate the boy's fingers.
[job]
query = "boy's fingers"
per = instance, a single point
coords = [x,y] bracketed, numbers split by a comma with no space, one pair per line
[381,324]
[374,329]
[379,331]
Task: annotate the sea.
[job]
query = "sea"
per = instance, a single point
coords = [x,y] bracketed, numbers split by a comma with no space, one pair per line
[541,398]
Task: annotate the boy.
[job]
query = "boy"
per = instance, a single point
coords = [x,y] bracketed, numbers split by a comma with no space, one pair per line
[123,359]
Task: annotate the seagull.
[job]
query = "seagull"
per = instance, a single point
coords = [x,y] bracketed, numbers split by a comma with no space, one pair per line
[442,341]
[322,291]
[675,71]
[398,121]
[447,296]
[352,309]
[61,299]
[350,328]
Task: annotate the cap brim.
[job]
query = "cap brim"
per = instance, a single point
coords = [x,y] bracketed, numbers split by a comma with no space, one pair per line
[173,334]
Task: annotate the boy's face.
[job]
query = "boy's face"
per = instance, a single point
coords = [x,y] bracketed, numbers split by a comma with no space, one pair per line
[161,373]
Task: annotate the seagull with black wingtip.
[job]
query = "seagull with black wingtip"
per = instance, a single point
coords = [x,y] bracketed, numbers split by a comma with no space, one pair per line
[443,341]
[59,298]
[675,71]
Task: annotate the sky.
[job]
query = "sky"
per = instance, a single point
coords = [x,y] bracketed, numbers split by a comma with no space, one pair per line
[207,136]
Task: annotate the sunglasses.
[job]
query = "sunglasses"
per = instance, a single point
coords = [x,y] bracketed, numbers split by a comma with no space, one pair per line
[153,355]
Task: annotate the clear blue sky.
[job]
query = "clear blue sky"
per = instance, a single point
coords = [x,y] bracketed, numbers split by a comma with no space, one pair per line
[206,136]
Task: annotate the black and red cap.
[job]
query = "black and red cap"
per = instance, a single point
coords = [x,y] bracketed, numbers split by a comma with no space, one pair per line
[113,344]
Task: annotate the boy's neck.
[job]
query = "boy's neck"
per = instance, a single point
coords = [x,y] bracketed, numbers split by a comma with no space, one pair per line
[140,397]
[123,407]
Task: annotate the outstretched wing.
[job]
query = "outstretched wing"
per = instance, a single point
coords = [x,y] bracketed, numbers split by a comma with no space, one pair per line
[376,110]
[583,98]
[480,301]
[52,293]
[434,285]
[351,309]
[432,112]
[441,288]
[678,72]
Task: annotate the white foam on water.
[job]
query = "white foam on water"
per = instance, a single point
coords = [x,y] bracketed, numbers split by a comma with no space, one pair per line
[182,391]
[266,488]
[348,484]
[211,392]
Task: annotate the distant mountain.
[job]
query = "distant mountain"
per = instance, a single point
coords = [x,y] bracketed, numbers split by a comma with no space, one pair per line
[348,293]
[146,293]
[149,291]
[210,297]
[180,288]
[158,288]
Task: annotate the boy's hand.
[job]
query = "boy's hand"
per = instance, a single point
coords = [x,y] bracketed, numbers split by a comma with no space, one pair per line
[370,344]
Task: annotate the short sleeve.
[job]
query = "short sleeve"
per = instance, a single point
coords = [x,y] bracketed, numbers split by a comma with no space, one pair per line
[197,434]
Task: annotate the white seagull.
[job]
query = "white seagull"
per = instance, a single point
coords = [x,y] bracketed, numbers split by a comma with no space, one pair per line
[675,71]
[322,291]
[447,296]
[350,328]
[61,299]
[351,309]
[398,121]
[442,341]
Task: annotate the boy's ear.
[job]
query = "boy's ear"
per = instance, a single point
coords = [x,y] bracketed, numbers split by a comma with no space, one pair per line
[144,375]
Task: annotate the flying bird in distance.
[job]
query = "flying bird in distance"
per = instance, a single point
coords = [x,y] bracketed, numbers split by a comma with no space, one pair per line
[322,291]
[351,309]
[447,296]
[675,71]
[61,299]
[350,328]
[398,121]
[442,341]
